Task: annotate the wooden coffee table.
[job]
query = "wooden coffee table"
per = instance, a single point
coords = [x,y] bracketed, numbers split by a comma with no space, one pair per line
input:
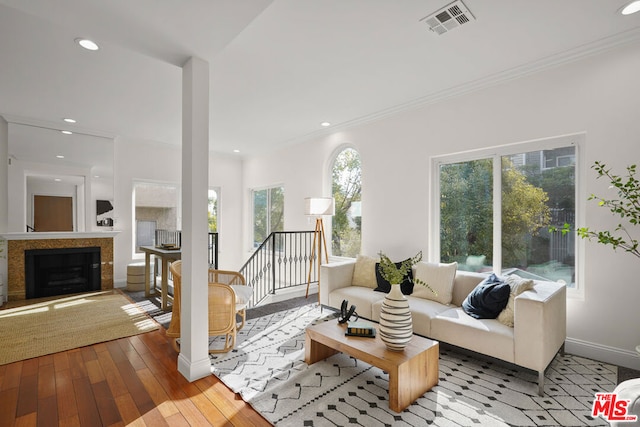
[412,372]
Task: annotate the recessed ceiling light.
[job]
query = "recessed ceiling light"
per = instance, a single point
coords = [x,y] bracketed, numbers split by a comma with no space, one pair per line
[60,156]
[236,151]
[325,124]
[57,179]
[632,7]
[96,176]
[69,120]
[67,132]
[87,44]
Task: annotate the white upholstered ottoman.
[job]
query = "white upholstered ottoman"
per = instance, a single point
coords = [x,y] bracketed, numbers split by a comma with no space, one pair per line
[135,276]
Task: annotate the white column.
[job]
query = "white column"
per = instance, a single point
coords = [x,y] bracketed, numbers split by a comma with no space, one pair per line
[193,362]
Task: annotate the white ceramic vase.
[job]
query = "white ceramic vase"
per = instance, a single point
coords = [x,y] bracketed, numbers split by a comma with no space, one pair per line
[396,326]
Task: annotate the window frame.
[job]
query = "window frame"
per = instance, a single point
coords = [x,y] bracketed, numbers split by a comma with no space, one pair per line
[331,165]
[496,153]
[252,241]
[135,183]
[218,198]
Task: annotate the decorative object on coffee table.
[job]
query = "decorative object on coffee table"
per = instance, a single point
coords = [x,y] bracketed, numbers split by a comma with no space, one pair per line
[347,314]
[360,329]
[396,325]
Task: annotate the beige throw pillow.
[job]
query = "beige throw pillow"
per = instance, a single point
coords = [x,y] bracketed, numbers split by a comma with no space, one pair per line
[518,285]
[364,272]
[439,276]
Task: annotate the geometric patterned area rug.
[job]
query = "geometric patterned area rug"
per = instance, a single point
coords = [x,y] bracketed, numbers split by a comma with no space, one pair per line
[267,368]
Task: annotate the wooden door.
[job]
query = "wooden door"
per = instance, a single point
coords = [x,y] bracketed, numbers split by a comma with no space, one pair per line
[53,213]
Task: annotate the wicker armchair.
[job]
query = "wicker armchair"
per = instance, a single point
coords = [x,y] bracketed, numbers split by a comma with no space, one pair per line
[236,281]
[228,296]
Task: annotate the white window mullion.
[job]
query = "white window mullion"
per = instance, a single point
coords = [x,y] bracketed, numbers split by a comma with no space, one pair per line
[267,230]
[497,213]
[434,232]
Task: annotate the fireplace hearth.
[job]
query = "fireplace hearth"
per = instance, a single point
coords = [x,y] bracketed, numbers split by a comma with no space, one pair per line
[50,272]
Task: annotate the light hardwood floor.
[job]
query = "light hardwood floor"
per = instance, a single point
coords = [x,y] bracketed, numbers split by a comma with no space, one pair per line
[129,381]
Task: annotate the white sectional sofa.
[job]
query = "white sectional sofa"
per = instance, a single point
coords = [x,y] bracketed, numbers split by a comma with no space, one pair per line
[538,332]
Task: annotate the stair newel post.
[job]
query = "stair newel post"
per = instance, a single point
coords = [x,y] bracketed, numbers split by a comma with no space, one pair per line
[273,263]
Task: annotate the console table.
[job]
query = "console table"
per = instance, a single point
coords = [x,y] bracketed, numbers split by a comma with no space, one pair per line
[166,256]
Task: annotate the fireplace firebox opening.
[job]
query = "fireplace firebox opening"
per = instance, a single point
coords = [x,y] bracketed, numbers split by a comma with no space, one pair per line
[50,272]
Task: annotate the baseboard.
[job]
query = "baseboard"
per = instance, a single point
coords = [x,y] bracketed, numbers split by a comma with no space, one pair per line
[615,356]
[193,371]
[288,293]
[120,283]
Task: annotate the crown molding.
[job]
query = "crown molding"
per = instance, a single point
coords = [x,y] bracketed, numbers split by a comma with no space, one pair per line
[533,67]
[44,124]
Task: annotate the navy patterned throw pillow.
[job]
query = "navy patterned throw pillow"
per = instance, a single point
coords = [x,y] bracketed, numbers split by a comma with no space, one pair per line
[488,299]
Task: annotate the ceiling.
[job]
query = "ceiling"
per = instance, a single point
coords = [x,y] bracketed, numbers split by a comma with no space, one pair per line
[278,68]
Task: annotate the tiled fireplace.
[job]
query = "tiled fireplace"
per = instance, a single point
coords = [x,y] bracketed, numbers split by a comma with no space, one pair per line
[22,245]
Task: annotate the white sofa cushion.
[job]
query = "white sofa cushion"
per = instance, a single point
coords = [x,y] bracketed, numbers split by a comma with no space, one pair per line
[422,311]
[437,275]
[487,336]
[363,298]
[364,272]
[243,295]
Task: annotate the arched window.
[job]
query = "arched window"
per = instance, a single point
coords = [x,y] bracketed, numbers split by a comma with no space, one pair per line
[213,209]
[347,189]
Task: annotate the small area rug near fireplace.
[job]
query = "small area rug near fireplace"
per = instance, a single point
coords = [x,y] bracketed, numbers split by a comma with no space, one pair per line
[68,322]
[267,368]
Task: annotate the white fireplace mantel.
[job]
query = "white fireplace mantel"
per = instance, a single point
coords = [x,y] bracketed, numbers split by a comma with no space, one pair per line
[59,235]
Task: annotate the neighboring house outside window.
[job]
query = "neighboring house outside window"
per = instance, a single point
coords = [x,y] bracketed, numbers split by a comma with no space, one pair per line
[268,212]
[496,208]
[347,191]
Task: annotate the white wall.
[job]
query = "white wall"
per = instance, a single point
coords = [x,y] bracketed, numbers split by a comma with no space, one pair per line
[597,95]
[4,202]
[151,161]
[4,171]
[225,173]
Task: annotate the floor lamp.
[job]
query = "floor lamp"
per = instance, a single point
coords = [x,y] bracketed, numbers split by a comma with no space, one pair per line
[318,207]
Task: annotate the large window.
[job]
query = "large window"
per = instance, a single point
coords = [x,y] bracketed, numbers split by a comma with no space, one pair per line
[496,209]
[268,213]
[156,207]
[347,190]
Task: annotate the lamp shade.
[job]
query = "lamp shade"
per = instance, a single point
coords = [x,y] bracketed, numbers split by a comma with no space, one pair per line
[319,206]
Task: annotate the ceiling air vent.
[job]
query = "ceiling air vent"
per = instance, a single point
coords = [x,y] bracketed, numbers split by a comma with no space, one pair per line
[449,17]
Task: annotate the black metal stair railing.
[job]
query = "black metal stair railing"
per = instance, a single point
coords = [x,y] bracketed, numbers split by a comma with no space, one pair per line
[281,261]
[213,250]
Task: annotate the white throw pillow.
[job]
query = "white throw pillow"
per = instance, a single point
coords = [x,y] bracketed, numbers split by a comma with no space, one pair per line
[518,285]
[439,276]
[364,272]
